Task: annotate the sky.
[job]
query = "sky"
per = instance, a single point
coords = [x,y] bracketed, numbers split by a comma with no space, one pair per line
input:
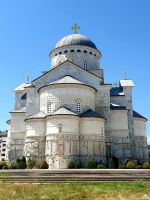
[29,30]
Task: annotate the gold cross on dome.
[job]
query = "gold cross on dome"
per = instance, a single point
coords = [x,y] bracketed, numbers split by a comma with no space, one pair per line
[75,28]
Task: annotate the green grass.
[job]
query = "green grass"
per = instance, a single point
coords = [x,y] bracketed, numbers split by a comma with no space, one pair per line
[76,191]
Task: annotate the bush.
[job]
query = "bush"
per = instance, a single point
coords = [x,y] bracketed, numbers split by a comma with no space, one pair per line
[21,163]
[12,165]
[70,165]
[79,164]
[111,164]
[91,164]
[44,165]
[31,163]
[100,166]
[146,165]
[130,165]
[2,164]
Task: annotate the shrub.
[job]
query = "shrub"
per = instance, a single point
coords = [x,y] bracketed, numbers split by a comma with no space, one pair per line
[44,165]
[100,166]
[111,164]
[79,164]
[31,163]
[146,165]
[12,165]
[131,165]
[21,163]
[70,165]
[91,164]
[2,164]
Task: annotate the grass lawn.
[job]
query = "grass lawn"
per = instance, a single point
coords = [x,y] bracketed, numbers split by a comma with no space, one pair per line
[76,191]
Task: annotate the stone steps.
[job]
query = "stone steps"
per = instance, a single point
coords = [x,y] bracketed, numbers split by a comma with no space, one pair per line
[74,175]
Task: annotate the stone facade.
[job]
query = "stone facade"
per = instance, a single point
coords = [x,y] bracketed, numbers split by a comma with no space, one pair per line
[70,113]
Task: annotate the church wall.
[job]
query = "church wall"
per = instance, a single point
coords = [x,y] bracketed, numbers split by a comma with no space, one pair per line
[120,141]
[33,102]
[67,96]
[140,138]
[92,139]
[16,136]
[62,140]
[35,138]
[88,58]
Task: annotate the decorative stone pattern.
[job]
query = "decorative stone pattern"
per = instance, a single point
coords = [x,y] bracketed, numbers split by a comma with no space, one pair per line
[67,95]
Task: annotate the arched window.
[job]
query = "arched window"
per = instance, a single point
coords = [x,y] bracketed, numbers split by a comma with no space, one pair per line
[65,51]
[95,55]
[90,53]
[49,108]
[78,103]
[56,54]
[72,50]
[60,128]
[60,53]
[85,64]
[85,51]
[78,50]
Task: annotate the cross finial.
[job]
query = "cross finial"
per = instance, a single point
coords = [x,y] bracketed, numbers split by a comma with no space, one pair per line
[27,79]
[75,28]
[125,75]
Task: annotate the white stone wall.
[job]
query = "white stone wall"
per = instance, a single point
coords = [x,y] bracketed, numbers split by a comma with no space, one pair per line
[92,126]
[118,120]
[88,58]
[35,127]
[65,95]
[139,127]
[17,122]
[69,125]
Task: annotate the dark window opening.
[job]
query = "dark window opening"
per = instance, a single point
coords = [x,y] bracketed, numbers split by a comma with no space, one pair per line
[60,53]
[65,51]
[72,50]
[78,50]
[90,53]
[85,51]
[24,96]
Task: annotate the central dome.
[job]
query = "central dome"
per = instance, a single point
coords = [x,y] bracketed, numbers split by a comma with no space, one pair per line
[75,39]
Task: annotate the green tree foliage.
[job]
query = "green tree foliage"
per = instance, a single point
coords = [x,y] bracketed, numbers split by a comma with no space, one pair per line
[91,164]
[131,165]
[146,165]
[21,163]
[70,165]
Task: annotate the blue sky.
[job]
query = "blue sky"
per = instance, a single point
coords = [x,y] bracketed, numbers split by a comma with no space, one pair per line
[29,29]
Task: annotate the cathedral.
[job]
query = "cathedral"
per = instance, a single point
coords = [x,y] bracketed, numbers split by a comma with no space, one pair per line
[70,113]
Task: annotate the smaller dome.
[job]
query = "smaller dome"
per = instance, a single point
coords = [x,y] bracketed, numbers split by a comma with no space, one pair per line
[75,39]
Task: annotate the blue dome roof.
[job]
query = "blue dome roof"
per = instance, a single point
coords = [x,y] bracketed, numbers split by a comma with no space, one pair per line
[75,39]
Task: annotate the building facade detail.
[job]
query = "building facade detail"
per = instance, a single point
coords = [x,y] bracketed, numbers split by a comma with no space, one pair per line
[70,113]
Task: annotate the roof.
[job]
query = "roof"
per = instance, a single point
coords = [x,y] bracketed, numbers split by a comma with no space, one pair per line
[22,87]
[90,113]
[126,83]
[117,107]
[136,114]
[116,91]
[58,66]
[75,39]
[63,111]
[22,110]
[39,115]
[67,80]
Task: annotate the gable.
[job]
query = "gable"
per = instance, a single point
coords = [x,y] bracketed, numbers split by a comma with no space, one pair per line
[67,68]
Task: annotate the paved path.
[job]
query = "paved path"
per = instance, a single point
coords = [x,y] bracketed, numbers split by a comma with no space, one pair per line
[74,175]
